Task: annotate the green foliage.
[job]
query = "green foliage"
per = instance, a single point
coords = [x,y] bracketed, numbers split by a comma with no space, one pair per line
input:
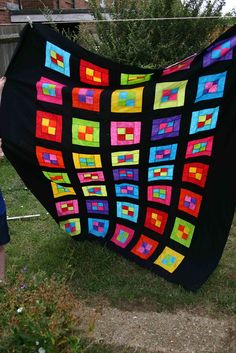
[151,43]
[37,316]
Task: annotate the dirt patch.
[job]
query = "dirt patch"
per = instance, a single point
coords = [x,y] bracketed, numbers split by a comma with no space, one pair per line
[164,332]
[158,332]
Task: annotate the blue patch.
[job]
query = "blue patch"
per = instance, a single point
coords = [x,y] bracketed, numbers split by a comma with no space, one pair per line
[127,210]
[203,120]
[211,86]
[57,59]
[162,153]
[98,227]
[127,190]
[162,172]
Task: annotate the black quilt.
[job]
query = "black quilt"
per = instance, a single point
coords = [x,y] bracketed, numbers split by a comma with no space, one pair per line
[142,160]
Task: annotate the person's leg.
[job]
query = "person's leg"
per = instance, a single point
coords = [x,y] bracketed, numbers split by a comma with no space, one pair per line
[4,239]
[2,263]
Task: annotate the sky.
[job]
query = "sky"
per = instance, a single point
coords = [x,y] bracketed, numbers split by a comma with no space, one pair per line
[229,5]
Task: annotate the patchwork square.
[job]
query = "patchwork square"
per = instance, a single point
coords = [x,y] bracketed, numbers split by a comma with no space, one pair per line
[182,232]
[145,247]
[126,174]
[204,120]
[98,227]
[125,158]
[190,202]
[93,74]
[220,51]
[133,79]
[127,101]
[48,126]
[160,194]
[87,160]
[49,91]
[88,177]
[156,220]
[122,236]
[163,172]
[165,127]
[57,59]
[97,206]
[49,158]
[127,190]
[195,173]
[169,259]
[57,177]
[169,94]
[162,153]
[85,132]
[71,226]
[127,210]
[86,98]
[211,86]
[179,66]
[201,147]
[60,191]
[95,190]
[65,208]
[125,133]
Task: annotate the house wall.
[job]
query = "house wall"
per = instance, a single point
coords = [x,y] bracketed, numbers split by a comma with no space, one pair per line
[4,12]
[53,4]
[36,4]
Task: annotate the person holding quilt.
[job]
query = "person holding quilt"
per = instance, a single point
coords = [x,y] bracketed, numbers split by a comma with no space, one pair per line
[4,234]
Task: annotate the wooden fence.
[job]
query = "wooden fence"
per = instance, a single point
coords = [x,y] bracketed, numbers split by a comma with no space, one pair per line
[9,36]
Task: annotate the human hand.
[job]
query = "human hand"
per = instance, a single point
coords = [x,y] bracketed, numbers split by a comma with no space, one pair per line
[2,83]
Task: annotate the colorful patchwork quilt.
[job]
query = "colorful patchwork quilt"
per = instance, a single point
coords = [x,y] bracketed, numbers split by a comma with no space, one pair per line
[141,160]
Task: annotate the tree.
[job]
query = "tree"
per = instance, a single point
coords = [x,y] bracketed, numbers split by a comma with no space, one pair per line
[151,43]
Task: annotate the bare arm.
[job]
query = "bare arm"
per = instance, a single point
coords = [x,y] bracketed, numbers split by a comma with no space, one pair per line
[2,83]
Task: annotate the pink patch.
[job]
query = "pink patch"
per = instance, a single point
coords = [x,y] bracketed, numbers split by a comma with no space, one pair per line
[166,92]
[173,97]
[207,151]
[119,238]
[166,200]
[187,198]
[167,152]
[88,177]
[162,126]
[131,135]
[181,65]
[47,94]
[224,51]
[213,89]
[208,85]
[67,207]
[169,129]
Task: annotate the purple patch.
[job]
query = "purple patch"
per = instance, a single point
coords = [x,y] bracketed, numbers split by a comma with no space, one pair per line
[220,51]
[97,206]
[166,127]
[126,174]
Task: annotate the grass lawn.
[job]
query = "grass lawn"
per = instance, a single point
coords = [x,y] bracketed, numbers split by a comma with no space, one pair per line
[40,254]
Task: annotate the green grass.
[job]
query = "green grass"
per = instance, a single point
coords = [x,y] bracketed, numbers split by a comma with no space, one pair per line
[94,273]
